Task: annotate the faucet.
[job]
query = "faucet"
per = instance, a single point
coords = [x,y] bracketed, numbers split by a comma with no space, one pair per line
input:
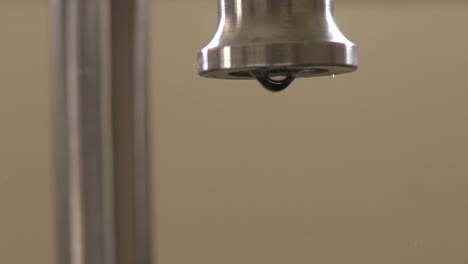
[276,41]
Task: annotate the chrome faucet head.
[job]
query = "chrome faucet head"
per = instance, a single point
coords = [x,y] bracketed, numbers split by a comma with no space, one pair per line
[276,41]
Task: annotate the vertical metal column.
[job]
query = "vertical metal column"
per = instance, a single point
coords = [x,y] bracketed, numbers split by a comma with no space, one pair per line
[100,80]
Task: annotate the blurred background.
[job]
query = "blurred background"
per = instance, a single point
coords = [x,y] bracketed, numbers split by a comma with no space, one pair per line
[369,167]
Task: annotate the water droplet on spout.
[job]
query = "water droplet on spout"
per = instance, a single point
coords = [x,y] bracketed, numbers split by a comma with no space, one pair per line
[275,83]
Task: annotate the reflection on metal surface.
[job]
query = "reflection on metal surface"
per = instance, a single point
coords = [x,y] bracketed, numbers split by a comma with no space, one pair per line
[101,140]
[298,37]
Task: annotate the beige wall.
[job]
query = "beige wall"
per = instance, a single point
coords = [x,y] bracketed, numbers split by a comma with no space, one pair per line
[26,228]
[366,168]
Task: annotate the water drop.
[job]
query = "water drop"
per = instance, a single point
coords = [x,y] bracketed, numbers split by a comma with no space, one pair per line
[275,83]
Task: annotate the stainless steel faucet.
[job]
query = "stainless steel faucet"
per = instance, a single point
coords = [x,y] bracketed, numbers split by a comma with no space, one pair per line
[100,72]
[276,41]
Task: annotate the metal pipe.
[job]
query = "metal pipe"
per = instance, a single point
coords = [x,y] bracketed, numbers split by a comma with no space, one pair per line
[100,72]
